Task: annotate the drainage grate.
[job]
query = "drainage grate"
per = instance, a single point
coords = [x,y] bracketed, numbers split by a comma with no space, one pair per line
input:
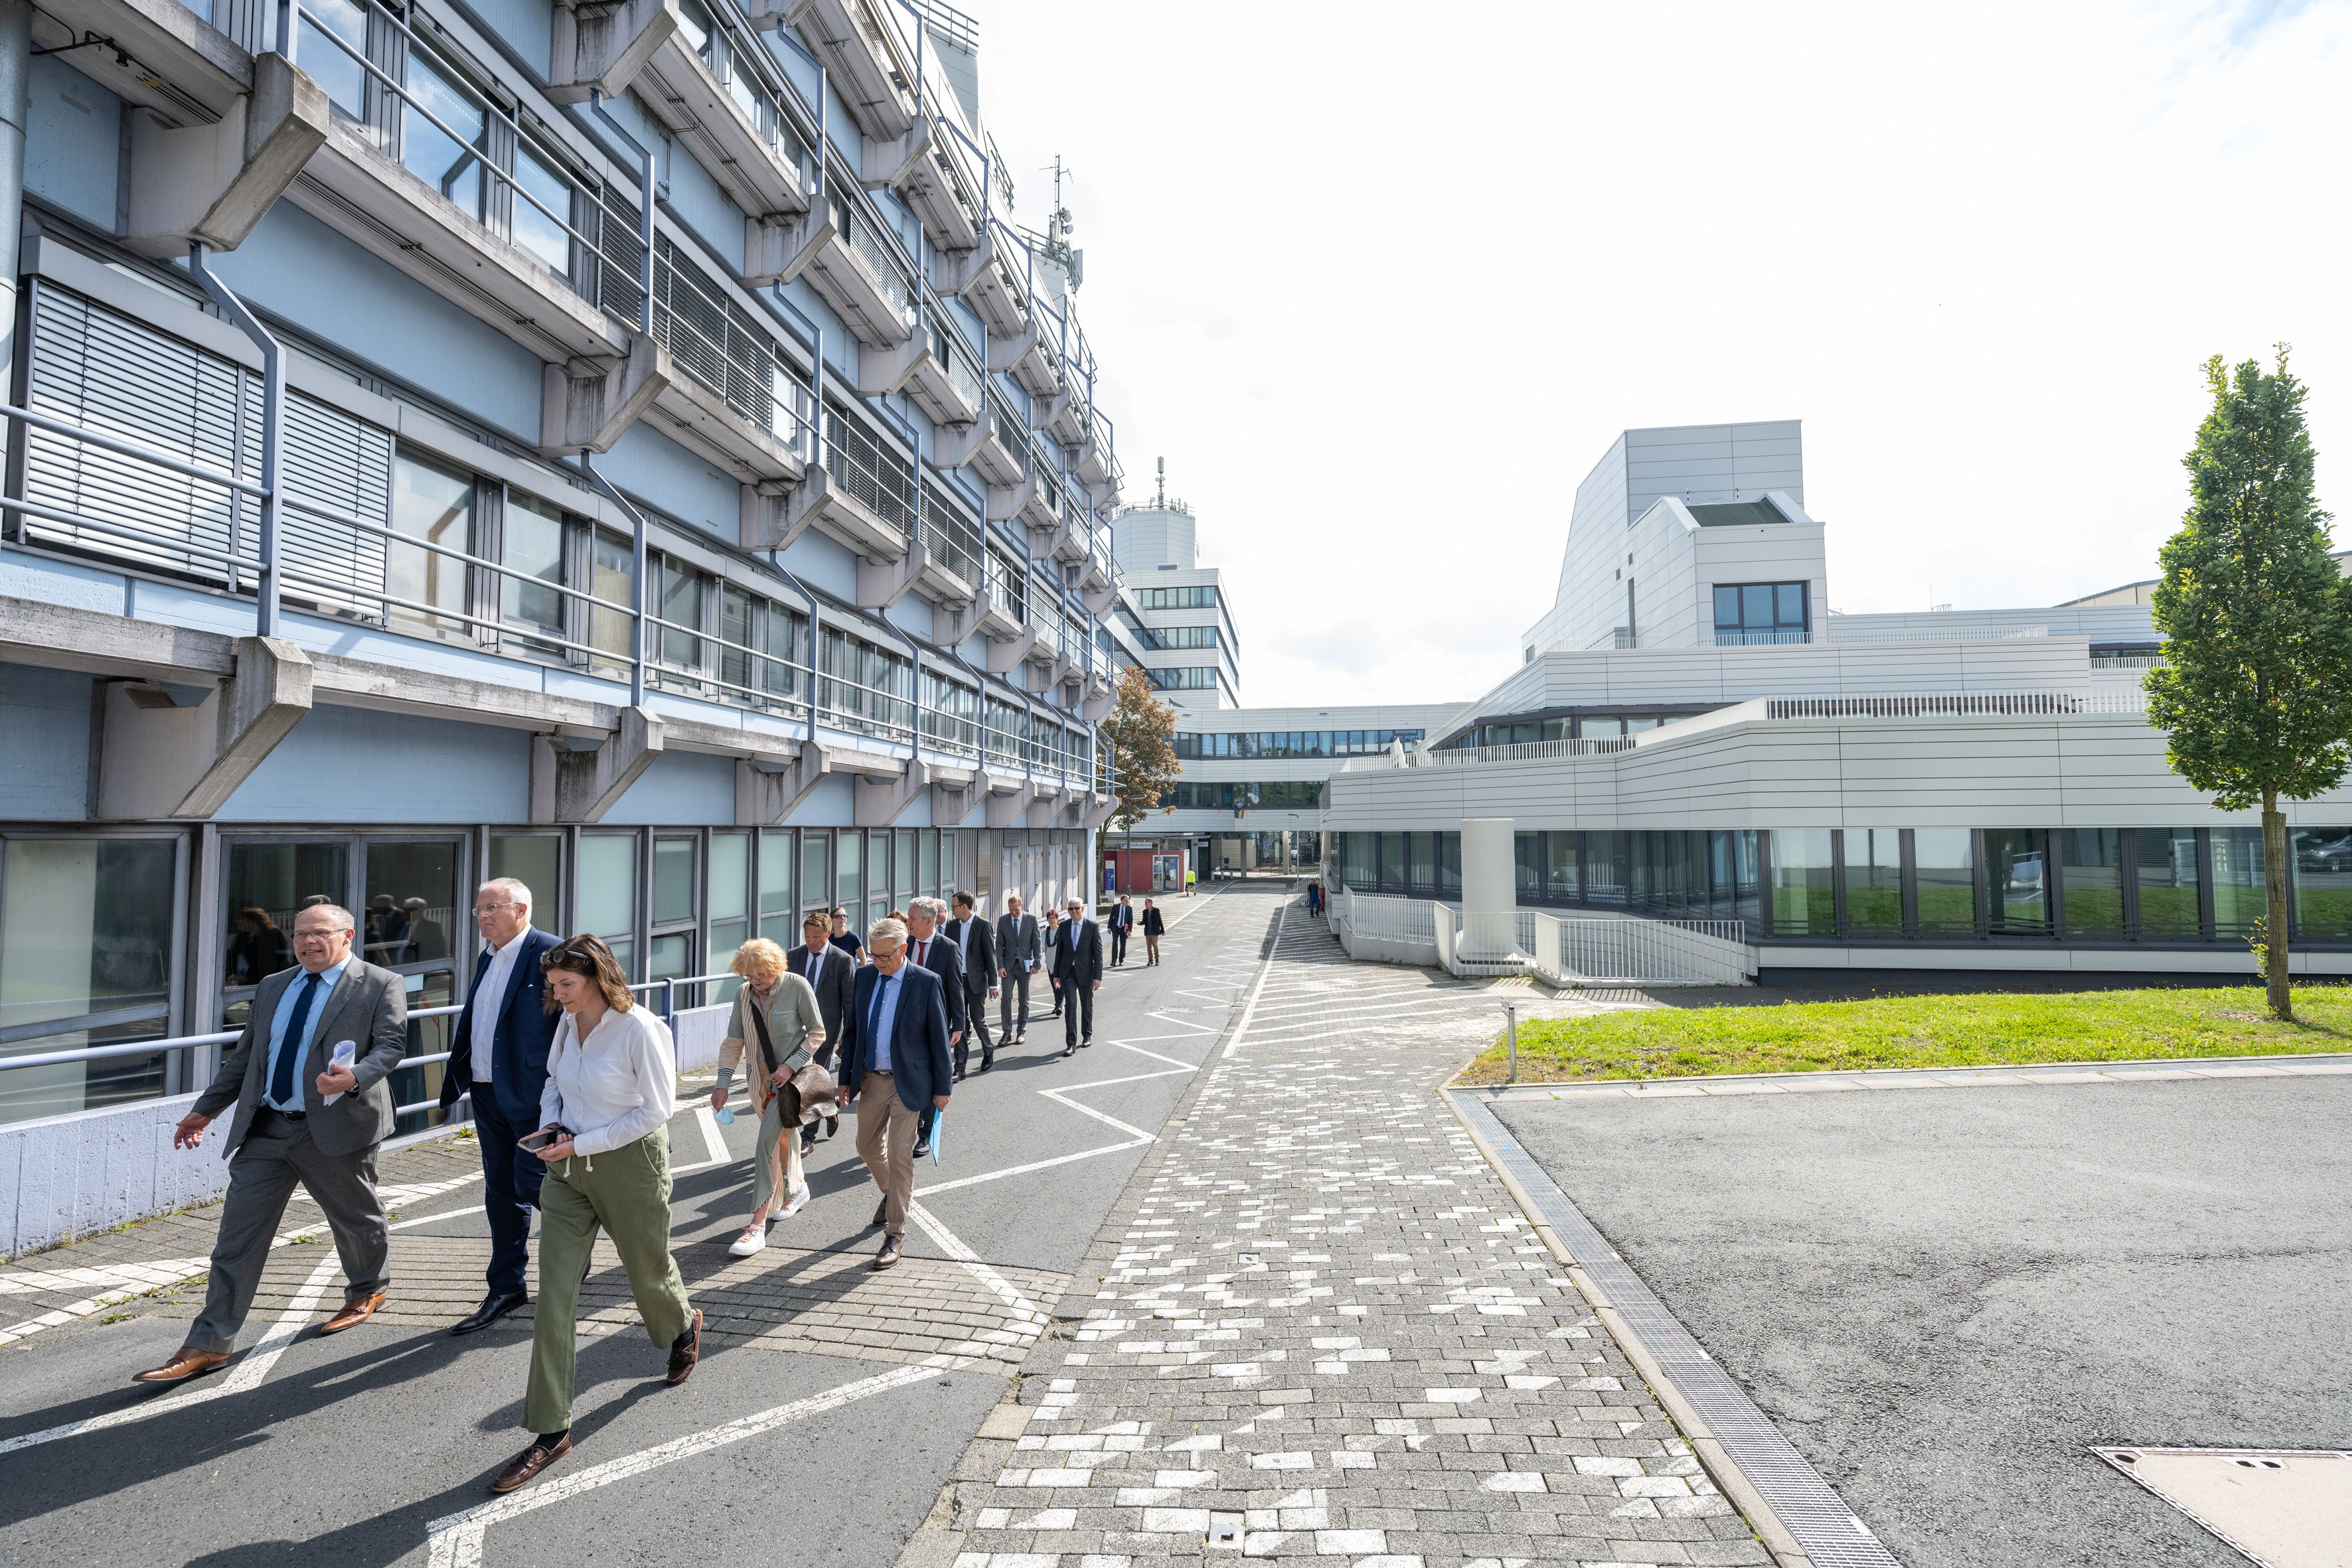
[1828,1530]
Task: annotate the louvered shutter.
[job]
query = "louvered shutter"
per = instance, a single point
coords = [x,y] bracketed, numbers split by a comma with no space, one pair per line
[334,467]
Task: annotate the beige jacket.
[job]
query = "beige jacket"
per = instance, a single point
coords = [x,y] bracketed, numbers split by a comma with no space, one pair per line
[793,1024]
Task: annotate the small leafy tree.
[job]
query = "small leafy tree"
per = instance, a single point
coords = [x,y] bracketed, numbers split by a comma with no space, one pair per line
[1142,731]
[2256,683]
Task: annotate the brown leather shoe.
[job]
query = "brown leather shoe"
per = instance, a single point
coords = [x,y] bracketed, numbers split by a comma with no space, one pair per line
[186,1363]
[529,1463]
[685,1352]
[889,1254]
[358,1310]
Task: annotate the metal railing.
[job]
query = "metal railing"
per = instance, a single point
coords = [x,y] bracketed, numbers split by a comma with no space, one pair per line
[1841,634]
[1960,705]
[1530,750]
[952,537]
[1738,638]
[880,263]
[870,476]
[717,343]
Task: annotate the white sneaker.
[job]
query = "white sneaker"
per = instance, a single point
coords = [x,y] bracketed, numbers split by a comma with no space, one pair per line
[753,1239]
[794,1203]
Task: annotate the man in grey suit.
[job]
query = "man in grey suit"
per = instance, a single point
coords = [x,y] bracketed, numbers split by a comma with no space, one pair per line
[308,1082]
[1018,949]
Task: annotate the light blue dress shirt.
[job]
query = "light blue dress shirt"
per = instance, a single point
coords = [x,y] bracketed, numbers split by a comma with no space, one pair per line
[884,1016]
[278,1022]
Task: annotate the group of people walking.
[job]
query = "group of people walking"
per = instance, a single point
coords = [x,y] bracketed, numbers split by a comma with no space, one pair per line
[572,1087]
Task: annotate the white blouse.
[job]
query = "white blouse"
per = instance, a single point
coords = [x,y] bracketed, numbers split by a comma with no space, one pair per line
[614,1087]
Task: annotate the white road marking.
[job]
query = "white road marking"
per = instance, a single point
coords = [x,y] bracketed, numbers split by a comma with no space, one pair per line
[1024,1170]
[1033,1315]
[1265,967]
[707,1119]
[455,1539]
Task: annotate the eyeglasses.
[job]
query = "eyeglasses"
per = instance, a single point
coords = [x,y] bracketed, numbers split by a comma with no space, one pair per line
[486,909]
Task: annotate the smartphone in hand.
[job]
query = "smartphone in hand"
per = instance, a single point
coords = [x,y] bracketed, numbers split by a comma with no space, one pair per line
[535,1141]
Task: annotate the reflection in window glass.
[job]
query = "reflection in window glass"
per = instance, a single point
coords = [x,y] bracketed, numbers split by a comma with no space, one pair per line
[1423,852]
[729,896]
[2018,871]
[929,879]
[1526,863]
[1605,868]
[1803,900]
[681,605]
[1874,880]
[2322,881]
[434,506]
[269,885]
[612,571]
[608,891]
[542,209]
[412,902]
[452,167]
[2091,861]
[853,880]
[2239,897]
[1393,878]
[905,866]
[947,883]
[1559,871]
[2166,862]
[670,957]
[1449,865]
[533,552]
[332,66]
[1945,865]
[85,928]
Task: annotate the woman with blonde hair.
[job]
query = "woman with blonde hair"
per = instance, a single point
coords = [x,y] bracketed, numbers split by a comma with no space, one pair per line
[612,1084]
[778,1010]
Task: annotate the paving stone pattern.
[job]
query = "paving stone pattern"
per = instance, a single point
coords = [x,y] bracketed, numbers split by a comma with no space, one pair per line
[1322,1330]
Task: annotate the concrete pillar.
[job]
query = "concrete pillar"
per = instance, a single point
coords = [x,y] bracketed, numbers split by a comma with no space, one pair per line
[16,106]
[1490,892]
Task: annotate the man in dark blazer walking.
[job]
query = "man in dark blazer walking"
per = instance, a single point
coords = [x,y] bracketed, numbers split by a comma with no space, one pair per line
[976,949]
[928,949]
[1018,953]
[1122,921]
[498,1054]
[1155,926]
[307,1078]
[828,971]
[1076,962]
[894,1065]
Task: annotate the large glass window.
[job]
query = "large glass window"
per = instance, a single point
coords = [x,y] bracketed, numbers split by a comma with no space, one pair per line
[2239,896]
[730,902]
[535,861]
[269,885]
[1423,851]
[452,166]
[1449,865]
[1760,613]
[1607,874]
[816,871]
[1528,864]
[1803,894]
[2090,866]
[1945,863]
[533,548]
[905,884]
[2166,862]
[608,893]
[1560,883]
[1393,863]
[682,588]
[2016,873]
[877,876]
[2323,881]
[434,506]
[612,575]
[327,61]
[86,949]
[780,918]
[542,207]
[853,881]
[413,908]
[1874,880]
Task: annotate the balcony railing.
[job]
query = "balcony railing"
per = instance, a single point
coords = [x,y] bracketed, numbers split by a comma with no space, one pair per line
[1007,587]
[718,342]
[952,537]
[874,478]
[1739,637]
[879,262]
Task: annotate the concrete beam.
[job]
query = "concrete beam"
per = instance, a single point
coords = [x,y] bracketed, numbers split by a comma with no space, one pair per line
[213,183]
[1095,704]
[601,48]
[1012,810]
[765,796]
[882,584]
[958,272]
[160,757]
[887,163]
[883,371]
[778,248]
[1003,354]
[258,705]
[952,801]
[1099,600]
[1005,501]
[883,799]
[1096,810]
[953,446]
[582,786]
[588,403]
[951,623]
[1004,657]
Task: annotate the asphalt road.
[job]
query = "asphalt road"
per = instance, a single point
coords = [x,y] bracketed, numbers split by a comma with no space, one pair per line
[1944,1297]
[353,1449]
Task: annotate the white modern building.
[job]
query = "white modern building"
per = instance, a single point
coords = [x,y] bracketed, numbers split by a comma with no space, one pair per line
[1691,733]
[1174,610]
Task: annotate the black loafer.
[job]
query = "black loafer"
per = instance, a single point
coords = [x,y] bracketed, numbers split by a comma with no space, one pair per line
[494,1306]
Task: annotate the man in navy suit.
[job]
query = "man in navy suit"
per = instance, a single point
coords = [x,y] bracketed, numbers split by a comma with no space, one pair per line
[498,1051]
[896,1053]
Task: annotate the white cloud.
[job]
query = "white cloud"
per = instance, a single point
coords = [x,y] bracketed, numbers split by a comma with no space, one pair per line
[1381,282]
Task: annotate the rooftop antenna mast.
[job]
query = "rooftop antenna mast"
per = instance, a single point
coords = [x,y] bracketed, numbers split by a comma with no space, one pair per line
[1161,503]
[1059,227]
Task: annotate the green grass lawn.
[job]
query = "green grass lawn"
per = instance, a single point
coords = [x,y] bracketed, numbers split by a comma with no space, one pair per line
[1988,1029]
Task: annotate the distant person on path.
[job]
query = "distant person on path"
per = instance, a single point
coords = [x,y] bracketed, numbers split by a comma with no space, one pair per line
[830,973]
[777,1012]
[895,1066]
[1077,963]
[499,1054]
[1018,949]
[976,948]
[845,939]
[1155,926]
[307,1078]
[1122,921]
[612,1080]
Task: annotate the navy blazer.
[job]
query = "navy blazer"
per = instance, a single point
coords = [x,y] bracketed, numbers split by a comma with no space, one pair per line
[519,1048]
[942,960]
[920,1063]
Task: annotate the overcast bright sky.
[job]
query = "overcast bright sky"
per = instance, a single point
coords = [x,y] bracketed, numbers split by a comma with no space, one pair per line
[1382,281]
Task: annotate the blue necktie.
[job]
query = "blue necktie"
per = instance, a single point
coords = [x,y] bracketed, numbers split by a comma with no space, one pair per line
[281,1071]
[874,1019]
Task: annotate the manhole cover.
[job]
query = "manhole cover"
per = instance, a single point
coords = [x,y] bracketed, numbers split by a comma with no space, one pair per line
[2282,1508]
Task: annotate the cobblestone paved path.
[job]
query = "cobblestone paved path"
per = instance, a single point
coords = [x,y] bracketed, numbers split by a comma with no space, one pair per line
[1316,1326]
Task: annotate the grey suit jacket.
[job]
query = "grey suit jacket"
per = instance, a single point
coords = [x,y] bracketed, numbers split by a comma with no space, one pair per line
[1017,942]
[368,1005]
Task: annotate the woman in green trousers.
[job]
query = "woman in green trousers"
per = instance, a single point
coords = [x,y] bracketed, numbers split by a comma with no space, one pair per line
[611,1083]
